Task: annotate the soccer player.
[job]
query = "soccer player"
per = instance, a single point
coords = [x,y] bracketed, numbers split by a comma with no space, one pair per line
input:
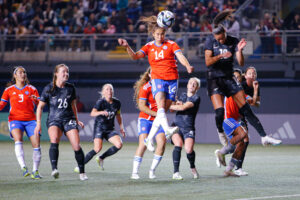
[106,109]
[187,107]
[147,106]
[251,86]
[22,98]
[161,54]
[219,51]
[60,96]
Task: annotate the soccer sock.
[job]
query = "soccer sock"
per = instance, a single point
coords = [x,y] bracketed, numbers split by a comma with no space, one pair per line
[36,158]
[89,156]
[53,155]
[155,162]
[111,151]
[137,161]
[219,119]
[253,120]
[79,156]
[176,158]
[227,149]
[191,157]
[231,164]
[20,153]
[154,128]
[240,165]
[163,118]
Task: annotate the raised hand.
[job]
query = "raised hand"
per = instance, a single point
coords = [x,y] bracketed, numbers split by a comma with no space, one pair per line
[123,42]
[242,44]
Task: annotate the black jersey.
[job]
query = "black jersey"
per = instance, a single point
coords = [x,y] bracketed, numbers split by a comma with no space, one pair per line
[186,119]
[59,102]
[103,123]
[249,90]
[223,67]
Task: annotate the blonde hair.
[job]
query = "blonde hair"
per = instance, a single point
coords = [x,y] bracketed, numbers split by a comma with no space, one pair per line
[198,81]
[144,78]
[13,79]
[57,67]
[250,67]
[107,84]
[151,24]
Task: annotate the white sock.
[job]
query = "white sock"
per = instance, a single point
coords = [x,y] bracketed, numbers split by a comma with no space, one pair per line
[137,161]
[20,153]
[36,158]
[161,114]
[154,128]
[155,162]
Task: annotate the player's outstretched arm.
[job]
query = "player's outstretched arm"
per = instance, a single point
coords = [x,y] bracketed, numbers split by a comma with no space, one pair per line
[182,107]
[39,111]
[210,59]
[144,108]
[239,54]
[120,122]
[131,53]
[182,59]
[74,108]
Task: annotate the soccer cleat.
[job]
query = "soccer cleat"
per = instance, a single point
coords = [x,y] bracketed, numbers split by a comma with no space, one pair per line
[149,144]
[240,172]
[217,159]
[151,174]
[195,173]
[171,131]
[177,176]
[76,170]
[25,171]
[220,157]
[135,176]
[83,177]
[223,138]
[269,140]
[36,175]
[100,162]
[230,173]
[55,174]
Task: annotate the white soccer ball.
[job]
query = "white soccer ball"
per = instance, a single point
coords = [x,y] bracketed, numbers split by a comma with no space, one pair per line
[165,19]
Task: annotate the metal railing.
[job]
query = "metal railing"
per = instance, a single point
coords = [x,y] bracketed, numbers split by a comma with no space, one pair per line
[101,47]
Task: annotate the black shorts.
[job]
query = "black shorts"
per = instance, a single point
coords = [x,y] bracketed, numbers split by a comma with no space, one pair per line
[104,134]
[185,132]
[64,125]
[223,86]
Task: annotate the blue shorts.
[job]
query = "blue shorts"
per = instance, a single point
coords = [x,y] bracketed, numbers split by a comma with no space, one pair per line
[27,126]
[169,87]
[144,127]
[229,126]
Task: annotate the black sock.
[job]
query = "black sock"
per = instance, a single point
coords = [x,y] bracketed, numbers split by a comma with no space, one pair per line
[89,156]
[111,151]
[240,165]
[191,157]
[252,119]
[53,155]
[219,119]
[176,158]
[79,156]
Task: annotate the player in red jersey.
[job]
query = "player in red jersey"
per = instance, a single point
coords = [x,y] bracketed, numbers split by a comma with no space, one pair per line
[147,106]
[22,98]
[161,54]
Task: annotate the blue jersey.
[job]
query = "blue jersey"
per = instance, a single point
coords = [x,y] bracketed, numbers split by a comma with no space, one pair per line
[223,67]
[186,119]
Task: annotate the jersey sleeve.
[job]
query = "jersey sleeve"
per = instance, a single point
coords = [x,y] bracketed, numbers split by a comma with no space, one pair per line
[5,96]
[143,94]
[119,107]
[208,44]
[175,48]
[144,50]
[36,94]
[258,92]
[235,43]
[194,99]
[73,95]
[97,106]
[45,94]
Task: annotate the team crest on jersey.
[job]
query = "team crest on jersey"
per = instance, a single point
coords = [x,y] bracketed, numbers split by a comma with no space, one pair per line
[13,125]
[143,128]
[26,92]
[152,49]
[159,86]
[165,47]
[14,93]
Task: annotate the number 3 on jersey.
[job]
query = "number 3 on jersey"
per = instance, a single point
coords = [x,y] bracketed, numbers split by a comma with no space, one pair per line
[62,103]
[159,55]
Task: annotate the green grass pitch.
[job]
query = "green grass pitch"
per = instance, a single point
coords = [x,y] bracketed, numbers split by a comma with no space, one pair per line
[274,173]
